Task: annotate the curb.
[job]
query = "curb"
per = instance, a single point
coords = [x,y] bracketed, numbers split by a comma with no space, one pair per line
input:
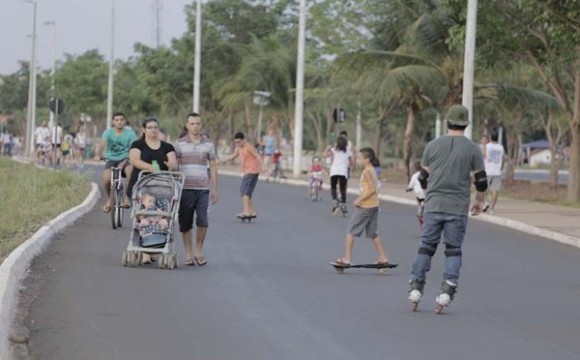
[15,266]
[513,224]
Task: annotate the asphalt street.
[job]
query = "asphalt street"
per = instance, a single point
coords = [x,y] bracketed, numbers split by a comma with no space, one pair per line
[268,292]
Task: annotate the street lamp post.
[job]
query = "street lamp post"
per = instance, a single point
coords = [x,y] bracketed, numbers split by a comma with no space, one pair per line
[111,68]
[469,63]
[53,72]
[31,113]
[299,103]
[197,60]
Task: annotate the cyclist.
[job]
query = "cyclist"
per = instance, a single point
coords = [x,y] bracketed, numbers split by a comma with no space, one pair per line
[114,148]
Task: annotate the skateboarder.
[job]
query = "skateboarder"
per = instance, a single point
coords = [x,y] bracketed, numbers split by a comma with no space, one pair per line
[448,164]
[251,165]
[365,216]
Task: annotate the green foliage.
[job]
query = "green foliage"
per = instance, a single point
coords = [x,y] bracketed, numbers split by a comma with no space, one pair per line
[31,197]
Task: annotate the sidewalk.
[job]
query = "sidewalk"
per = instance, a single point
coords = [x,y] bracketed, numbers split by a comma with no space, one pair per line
[553,222]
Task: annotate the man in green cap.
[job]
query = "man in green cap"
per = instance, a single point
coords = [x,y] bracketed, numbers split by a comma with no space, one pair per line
[448,165]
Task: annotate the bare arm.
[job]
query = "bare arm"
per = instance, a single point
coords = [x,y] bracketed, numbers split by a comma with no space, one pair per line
[171,162]
[135,159]
[230,157]
[213,181]
[101,146]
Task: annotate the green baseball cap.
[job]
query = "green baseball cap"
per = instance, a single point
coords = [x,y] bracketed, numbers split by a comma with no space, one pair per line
[458,115]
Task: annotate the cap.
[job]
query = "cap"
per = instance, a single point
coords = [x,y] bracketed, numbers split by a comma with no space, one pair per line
[458,115]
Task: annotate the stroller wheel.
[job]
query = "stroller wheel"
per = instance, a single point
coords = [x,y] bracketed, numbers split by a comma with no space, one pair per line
[125,259]
[163,261]
[134,258]
[171,262]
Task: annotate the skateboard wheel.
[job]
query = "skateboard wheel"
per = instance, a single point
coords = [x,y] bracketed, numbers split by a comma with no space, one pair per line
[383,271]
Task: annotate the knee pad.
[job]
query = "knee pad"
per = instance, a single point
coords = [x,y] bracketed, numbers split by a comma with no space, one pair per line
[452,250]
[427,250]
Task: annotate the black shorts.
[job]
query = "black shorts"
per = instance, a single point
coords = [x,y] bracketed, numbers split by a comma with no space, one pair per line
[115,163]
[193,202]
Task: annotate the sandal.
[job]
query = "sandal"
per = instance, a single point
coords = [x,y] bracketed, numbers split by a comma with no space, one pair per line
[340,261]
[200,260]
[106,208]
[188,262]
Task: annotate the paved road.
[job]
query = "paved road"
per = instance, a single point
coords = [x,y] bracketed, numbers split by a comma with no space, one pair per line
[269,293]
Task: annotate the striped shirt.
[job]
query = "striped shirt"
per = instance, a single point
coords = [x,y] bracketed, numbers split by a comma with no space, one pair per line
[193,159]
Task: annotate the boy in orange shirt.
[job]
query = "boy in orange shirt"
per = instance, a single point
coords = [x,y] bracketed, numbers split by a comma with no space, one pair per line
[251,166]
[365,216]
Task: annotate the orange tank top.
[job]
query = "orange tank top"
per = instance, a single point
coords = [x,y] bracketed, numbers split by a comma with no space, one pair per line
[249,164]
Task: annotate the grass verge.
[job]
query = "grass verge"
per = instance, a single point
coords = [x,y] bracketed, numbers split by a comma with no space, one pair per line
[29,197]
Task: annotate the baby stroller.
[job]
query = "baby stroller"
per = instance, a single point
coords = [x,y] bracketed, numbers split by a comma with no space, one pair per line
[152,238]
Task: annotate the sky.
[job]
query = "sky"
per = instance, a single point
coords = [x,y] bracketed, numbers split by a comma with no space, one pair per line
[82,25]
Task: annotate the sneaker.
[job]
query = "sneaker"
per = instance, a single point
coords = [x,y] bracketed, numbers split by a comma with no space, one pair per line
[486,207]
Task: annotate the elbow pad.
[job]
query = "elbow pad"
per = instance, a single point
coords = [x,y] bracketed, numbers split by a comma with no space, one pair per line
[480,181]
[423,176]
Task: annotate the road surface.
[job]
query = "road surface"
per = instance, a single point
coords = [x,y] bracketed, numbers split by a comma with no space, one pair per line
[268,292]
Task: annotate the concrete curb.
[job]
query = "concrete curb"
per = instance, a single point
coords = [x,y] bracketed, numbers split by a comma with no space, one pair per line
[15,266]
[513,224]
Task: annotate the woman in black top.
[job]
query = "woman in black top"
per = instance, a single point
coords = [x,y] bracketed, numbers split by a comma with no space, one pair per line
[148,148]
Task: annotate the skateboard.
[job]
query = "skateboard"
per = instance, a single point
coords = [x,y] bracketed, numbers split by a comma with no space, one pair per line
[246,217]
[383,267]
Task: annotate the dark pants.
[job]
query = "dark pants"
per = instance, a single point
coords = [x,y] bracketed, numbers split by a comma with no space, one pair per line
[341,181]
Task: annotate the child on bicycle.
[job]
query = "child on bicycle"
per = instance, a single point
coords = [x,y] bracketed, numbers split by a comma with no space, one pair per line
[151,223]
[364,219]
[316,175]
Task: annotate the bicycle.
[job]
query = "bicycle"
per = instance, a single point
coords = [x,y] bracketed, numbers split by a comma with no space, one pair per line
[117,190]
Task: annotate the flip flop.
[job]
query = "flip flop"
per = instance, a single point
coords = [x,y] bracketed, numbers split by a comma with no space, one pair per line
[341,262]
[200,260]
[106,208]
[189,262]
[125,205]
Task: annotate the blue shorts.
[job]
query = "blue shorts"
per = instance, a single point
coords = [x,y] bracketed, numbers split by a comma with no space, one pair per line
[249,182]
[193,202]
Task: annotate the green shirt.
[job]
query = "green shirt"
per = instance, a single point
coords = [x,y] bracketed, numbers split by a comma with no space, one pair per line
[450,160]
[118,145]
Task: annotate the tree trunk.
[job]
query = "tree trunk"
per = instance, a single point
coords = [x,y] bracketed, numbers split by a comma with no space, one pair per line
[379,137]
[574,167]
[554,166]
[513,150]
[408,138]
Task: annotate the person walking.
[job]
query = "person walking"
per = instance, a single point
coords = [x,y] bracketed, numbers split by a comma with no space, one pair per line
[366,213]
[493,155]
[448,164]
[251,167]
[341,162]
[114,147]
[144,151]
[195,152]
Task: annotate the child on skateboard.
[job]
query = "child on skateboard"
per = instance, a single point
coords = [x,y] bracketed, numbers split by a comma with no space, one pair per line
[365,216]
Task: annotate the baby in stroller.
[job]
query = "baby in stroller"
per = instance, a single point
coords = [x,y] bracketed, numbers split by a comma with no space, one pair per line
[151,223]
[155,200]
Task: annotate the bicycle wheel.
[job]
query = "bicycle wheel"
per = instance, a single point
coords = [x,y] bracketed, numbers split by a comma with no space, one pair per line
[120,212]
[115,208]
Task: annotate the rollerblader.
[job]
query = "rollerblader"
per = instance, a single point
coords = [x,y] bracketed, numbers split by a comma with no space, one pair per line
[447,166]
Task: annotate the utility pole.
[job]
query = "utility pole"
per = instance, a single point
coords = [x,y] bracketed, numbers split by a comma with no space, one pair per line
[469,63]
[31,113]
[197,61]
[53,72]
[157,8]
[111,68]
[299,103]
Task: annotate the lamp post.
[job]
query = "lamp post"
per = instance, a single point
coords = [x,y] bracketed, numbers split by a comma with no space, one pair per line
[111,68]
[197,61]
[299,103]
[261,98]
[53,72]
[469,63]
[31,113]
